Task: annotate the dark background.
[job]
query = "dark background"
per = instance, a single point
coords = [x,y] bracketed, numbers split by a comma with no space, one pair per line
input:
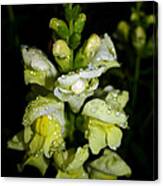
[28,24]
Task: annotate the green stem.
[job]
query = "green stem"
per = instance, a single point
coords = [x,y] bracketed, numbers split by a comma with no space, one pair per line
[136,78]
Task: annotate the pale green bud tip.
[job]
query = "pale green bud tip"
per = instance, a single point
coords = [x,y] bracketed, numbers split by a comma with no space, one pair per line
[134,17]
[123,28]
[139,37]
[54,23]
[82,17]
[61,49]
[92,45]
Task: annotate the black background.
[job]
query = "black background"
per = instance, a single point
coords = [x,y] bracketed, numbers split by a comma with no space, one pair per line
[28,24]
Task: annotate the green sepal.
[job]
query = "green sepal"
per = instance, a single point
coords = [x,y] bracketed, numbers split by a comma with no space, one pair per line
[17,142]
[38,161]
[75,40]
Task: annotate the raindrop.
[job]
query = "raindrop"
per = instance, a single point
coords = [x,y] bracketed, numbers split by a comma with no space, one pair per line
[93,110]
[109,111]
[117,114]
[36,155]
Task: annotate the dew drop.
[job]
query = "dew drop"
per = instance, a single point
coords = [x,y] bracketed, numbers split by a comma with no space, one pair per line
[36,155]
[117,114]
[93,110]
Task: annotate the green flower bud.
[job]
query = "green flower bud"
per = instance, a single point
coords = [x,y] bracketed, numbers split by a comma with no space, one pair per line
[79,23]
[123,29]
[75,40]
[62,55]
[92,45]
[134,16]
[150,19]
[59,27]
[139,38]
[87,51]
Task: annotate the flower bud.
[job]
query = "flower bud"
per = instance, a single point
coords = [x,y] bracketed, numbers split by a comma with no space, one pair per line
[79,23]
[87,51]
[139,38]
[123,29]
[62,55]
[92,45]
[59,27]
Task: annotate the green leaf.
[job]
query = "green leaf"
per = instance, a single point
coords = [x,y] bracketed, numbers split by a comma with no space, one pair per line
[37,68]
[17,142]
[60,27]
[39,162]
[112,164]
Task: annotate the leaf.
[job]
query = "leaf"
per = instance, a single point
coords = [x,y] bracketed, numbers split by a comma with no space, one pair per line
[17,142]
[39,162]
[112,164]
[37,68]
